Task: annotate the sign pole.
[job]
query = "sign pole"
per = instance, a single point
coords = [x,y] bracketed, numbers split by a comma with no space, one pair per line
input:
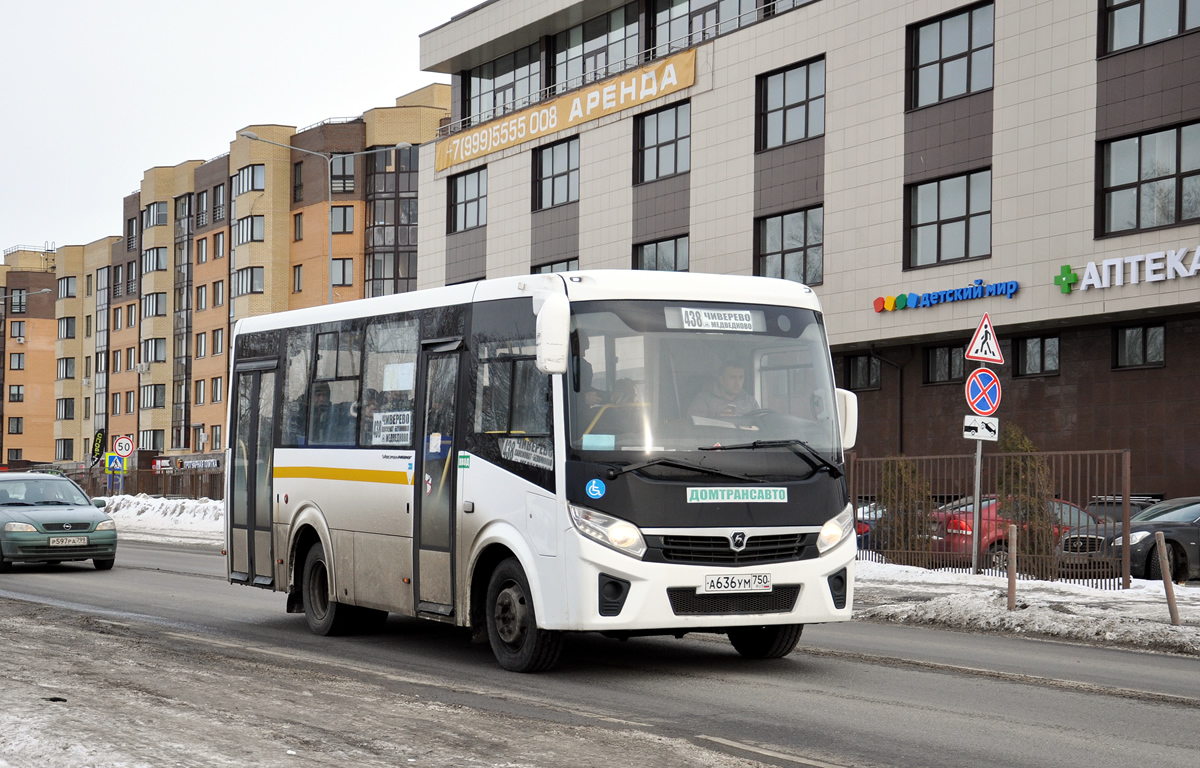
[977,515]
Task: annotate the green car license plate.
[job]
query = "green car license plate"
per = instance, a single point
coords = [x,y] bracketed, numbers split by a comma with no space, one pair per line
[68,541]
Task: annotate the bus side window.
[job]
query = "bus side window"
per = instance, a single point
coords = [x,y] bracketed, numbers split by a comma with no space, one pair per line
[295,386]
[389,382]
[333,396]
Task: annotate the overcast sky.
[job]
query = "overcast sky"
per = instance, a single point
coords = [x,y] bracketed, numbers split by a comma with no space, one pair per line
[94,93]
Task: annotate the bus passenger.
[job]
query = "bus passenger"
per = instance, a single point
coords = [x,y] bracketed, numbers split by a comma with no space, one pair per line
[726,397]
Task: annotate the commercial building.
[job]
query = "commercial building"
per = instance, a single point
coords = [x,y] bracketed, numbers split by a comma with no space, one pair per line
[919,162]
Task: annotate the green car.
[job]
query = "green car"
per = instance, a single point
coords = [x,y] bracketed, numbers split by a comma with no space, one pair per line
[48,519]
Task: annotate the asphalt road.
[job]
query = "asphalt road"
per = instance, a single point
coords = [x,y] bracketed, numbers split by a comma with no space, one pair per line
[851,694]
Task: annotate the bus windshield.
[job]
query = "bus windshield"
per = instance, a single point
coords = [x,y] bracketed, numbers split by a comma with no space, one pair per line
[669,376]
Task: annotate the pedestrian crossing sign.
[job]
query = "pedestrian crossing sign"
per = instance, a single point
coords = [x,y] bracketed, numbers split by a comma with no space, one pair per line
[114,463]
[984,346]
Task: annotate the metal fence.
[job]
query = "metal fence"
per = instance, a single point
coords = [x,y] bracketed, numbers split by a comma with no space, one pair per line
[185,483]
[920,510]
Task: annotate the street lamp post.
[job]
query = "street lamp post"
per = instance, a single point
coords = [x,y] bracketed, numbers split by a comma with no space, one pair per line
[328,157]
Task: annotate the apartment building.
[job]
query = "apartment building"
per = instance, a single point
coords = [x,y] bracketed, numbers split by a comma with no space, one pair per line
[919,162]
[31,367]
[142,346]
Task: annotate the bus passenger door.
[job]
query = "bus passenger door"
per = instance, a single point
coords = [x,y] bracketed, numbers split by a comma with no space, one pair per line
[436,485]
[251,552]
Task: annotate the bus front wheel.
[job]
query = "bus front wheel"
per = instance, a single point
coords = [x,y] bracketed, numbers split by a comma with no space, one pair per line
[325,615]
[517,642]
[773,642]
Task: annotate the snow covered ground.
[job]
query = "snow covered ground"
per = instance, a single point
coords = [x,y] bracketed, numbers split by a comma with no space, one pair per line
[1135,618]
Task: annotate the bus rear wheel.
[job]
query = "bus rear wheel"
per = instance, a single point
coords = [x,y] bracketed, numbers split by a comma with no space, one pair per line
[325,615]
[773,642]
[517,642]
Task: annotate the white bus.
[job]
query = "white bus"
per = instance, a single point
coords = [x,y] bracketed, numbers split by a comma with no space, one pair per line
[630,453]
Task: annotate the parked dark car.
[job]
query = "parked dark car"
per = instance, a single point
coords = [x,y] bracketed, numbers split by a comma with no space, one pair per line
[49,519]
[865,519]
[1110,507]
[952,526]
[1179,521]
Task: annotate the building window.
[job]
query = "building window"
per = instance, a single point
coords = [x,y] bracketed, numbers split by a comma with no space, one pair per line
[201,297]
[199,392]
[342,170]
[218,341]
[249,229]
[201,345]
[16,329]
[129,401]
[153,305]
[297,183]
[16,361]
[131,234]
[862,372]
[130,353]
[219,203]
[216,435]
[154,350]
[951,219]
[150,440]
[791,246]
[64,408]
[943,364]
[343,272]
[154,215]
[952,56]
[467,195]
[131,315]
[567,265]
[16,393]
[88,282]
[297,278]
[219,293]
[66,367]
[1135,22]
[664,143]
[665,255]
[202,250]
[596,48]
[1140,346]
[18,301]
[14,454]
[16,425]
[249,179]
[1036,356]
[116,403]
[66,287]
[64,449]
[202,208]
[217,391]
[131,278]
[87,327]
[556,174]
[342,220]
[1152,180]
[154,396]
[219,245]
[298,226]
[87,407]
[791,104]
[506,84]
[247,280]
[66,327]
[154,260]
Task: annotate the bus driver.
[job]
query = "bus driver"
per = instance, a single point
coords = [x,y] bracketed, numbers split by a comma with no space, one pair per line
[726,397]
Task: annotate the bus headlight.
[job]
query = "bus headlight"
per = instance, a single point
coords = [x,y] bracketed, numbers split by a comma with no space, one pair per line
[610,531]
[835,531]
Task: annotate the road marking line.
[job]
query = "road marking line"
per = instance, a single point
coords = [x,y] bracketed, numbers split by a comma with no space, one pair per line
[770,753]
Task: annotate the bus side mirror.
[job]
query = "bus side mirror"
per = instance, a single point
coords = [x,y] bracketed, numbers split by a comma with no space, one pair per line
[553,331]
[847,403]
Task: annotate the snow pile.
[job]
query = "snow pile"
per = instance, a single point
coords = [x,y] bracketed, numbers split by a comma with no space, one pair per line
[147,518]
[1136,618]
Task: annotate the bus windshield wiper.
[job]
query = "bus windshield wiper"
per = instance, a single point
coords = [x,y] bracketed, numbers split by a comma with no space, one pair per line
[809,454]
[679,464]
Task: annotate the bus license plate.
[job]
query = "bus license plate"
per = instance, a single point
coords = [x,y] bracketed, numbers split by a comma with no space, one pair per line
[742,582]
[68,541]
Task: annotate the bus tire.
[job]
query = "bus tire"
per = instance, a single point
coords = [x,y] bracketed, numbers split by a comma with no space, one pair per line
[517,641]
[772,642]
[325,615]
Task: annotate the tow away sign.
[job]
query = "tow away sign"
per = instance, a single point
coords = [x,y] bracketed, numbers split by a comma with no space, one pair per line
[981,428]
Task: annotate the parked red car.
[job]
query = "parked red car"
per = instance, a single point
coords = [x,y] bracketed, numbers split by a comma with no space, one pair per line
[952,525]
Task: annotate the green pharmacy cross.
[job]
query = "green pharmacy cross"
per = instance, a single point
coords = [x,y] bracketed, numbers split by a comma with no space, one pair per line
[1066,278]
